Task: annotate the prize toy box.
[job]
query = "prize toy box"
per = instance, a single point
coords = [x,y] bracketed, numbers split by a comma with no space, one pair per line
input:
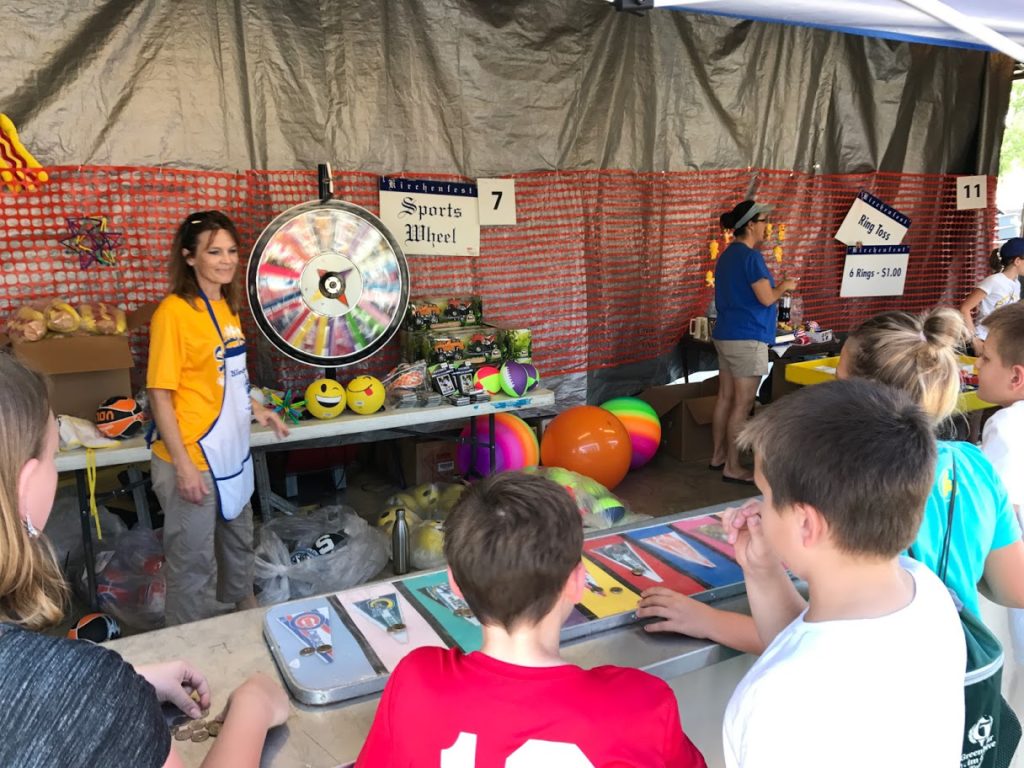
[84,370]
[443,313]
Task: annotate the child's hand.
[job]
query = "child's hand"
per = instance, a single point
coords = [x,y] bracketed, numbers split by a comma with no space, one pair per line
[743,526]
[682,614]
[261,695]
[174,682]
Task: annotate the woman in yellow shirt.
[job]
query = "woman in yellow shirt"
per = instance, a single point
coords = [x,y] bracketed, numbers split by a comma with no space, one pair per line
[199,394]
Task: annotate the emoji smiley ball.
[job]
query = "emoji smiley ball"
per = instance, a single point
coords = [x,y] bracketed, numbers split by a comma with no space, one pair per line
[325,398]
[365,395]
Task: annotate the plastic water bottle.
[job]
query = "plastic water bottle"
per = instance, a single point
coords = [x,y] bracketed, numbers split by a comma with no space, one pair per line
[712,314]
[400,543]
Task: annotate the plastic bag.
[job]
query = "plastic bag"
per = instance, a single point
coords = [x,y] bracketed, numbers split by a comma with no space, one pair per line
[599,508]
[64,530]
[130,583]
[329,550]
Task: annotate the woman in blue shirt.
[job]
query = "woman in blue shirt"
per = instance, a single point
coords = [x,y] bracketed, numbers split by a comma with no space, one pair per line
[745,296]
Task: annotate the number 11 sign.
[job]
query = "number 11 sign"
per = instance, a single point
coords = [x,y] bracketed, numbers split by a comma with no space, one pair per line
[971,192]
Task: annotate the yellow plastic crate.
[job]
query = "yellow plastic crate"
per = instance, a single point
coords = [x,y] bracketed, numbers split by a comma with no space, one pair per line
[818,371]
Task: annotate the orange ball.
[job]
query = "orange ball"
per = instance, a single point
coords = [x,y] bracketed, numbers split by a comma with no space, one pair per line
[588,440]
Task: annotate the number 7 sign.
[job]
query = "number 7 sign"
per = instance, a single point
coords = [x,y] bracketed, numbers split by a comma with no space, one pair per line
[497,200]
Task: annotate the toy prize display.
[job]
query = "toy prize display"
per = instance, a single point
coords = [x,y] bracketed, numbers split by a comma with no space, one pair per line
[56,317]
[345,645]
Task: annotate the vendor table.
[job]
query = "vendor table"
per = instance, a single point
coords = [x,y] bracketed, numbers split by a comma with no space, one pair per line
[691,346]
[819,371]
[230,648]
[347,428]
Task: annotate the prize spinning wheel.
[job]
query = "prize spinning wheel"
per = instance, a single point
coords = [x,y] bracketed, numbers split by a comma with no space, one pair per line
[328,283]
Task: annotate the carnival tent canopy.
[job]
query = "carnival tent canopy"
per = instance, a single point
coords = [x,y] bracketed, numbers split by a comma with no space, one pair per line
[995,24]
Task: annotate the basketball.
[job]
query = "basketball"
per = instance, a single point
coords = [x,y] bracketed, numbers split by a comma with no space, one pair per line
[119,417]
[96,628]
[488,378]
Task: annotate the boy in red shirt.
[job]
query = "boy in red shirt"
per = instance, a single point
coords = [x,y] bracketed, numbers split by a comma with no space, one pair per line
[514,545]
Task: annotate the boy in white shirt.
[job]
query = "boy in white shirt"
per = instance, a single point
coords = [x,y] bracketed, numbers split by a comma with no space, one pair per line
[1001,381]
[872,671]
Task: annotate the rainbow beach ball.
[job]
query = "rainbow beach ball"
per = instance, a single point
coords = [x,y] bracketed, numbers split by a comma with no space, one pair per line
[488,378]
[514,378]
[515,446]
[642,423]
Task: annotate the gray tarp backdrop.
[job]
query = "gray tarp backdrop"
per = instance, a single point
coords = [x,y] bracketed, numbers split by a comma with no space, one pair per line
[485,88]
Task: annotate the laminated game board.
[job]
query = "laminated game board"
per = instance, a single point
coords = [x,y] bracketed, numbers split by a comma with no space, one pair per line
[342,646]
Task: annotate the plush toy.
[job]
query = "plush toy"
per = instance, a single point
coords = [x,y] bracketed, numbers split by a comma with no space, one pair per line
[17,166]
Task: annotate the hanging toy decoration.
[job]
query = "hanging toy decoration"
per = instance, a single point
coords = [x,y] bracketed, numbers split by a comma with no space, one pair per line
[782,232]
[777,253]
[709,278]
[18,169]
[714,249]
[91,239]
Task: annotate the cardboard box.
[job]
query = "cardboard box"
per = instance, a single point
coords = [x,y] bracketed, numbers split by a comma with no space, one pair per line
[686,411]
[428,461]
[84,370]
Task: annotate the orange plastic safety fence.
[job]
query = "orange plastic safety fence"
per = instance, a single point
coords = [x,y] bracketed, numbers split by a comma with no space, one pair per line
[606,267]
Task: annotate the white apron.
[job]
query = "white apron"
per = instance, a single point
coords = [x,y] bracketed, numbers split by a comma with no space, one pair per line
[225,445]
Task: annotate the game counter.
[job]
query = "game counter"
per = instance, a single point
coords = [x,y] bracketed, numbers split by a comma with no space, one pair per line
[229,648]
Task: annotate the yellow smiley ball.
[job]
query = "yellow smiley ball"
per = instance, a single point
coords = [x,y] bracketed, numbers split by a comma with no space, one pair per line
[325,398]
[365,395]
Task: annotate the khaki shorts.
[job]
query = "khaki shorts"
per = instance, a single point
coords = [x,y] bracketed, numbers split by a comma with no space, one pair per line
[742,358]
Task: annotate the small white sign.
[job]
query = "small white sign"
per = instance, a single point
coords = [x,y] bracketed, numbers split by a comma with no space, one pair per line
[497,202]
[971,192]
[871,222]
[431,217]
[878,270]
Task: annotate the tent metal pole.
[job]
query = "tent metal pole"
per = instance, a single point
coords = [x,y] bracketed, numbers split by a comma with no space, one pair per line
[972,27]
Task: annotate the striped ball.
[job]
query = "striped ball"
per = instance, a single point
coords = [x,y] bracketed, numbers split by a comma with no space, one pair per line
[642,423]
[532,377]
[514,381]
[515,446]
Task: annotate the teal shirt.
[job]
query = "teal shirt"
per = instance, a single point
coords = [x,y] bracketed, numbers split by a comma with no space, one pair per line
[983,519]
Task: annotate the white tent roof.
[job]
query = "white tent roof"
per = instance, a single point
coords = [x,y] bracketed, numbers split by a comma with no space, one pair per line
[996,24]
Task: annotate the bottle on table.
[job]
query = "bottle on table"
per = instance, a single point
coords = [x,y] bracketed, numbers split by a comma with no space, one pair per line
[400,544]
[785,303]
